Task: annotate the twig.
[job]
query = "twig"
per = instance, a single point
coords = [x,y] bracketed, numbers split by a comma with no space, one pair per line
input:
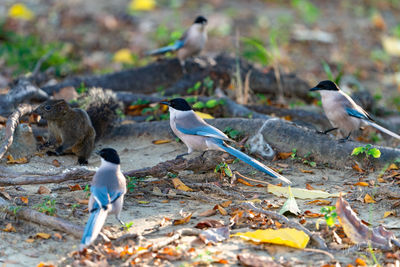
[250,179]
[40,62]
[320,251]
[318,240]
[216,189]
[11,126]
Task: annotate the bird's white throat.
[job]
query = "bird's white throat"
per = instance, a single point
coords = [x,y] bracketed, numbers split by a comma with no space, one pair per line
[108,165]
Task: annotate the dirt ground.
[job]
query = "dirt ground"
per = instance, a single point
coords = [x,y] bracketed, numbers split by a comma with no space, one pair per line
[147,211]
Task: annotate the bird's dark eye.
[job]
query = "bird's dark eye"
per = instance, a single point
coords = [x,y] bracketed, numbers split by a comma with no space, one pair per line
[47,107]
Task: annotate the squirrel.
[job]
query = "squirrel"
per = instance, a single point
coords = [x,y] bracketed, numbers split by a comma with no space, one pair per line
[69,128]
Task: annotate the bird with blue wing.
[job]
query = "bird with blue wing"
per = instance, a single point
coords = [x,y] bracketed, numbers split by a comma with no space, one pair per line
[343,113]
[198,135]
[190,44]
[107,195]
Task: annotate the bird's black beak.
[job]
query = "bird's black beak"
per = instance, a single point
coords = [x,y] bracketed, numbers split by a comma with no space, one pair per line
[97,152]
[165,103]
[314,89]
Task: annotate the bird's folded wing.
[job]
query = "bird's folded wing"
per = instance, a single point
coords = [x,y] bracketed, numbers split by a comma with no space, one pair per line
[100,195]
[177,45]
[358,114]
[205,130]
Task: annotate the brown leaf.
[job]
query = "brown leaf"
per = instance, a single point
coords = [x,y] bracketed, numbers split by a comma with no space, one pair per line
[208,213]
[211,223]
[306,171]
[11,160]
[310,214]
[178,184]
[320,202]
[43,190]
[309,187]
[161,141]
[4,193]
[244,182]
[9,228]
[82,201]
[221,210]
[226,203]
[359,232]
[183,220]
[361,184]
[56,163]
[254,260]
[75,187]
[57,235]
[360,262]
[284,155]
[357,168]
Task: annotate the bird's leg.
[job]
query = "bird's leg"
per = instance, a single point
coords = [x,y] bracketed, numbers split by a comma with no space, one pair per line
[204,152]
[182,155]
[327,131]
[119,219]
[183,66]
[342,140]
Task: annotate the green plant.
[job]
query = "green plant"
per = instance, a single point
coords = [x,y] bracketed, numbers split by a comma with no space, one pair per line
[379,55]
[294,156]
[212,103]
[48,206]
[308,12]
[368,150]
[254,50]
[82,88]
[128,225]
[194,88]
[329,74]
[223,169]
[232,133]
[207,84]
[154,113]
[24,52]
[14,209]
[132,182]
[330,215]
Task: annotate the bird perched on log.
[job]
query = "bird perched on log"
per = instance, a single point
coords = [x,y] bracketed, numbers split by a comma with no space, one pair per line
[107,195]
[343,113]
[199,135]
[190,44]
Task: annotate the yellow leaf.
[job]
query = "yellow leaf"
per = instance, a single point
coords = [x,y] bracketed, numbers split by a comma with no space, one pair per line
[391,45]
[25,200]
[360,262]
[221,210]
[362,184]
[204,115]
[299,192]
[182,221]
[143,202]
[226,203]
[368,199]
[178,184]
[123,56]
[161,141]
[389,213]
[20,11]
[393,167]
[11,160]
[9,228]
[142,5]
[284,236]
[30,240]
[43,235]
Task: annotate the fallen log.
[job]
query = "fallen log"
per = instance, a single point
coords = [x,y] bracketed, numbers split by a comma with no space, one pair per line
[29,215]
[169,76]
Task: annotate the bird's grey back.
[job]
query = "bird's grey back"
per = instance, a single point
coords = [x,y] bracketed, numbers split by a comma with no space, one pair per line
[111,178]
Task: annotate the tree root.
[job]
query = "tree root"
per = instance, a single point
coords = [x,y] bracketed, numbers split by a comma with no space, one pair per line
[12,124]
[313,236]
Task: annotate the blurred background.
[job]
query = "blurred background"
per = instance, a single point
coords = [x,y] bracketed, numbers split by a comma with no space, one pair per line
[351,40]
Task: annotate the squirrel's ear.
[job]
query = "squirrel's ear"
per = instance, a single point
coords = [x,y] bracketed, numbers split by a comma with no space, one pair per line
[61,104]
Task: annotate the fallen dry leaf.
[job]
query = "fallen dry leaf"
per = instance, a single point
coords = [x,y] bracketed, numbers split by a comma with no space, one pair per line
[309,187]
[208,213]
[368,199]
[361,184]
[11,160]
[43,190]
[320,202]
[75,187]
[244,182]
[360,262]
[357,231]
[161,141]
[183,220]
[284,236]
[389,213]
[221,210]
[310,214]
[357,168]
[58,236]
[306,171]
[4,193]
[24,200]
[284,155]
[30,240]
[9,228]
[178,184]
[299,192]
[211,223]
[43,235]
[226,203]
[290,205]
[254,260]
[56,163]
